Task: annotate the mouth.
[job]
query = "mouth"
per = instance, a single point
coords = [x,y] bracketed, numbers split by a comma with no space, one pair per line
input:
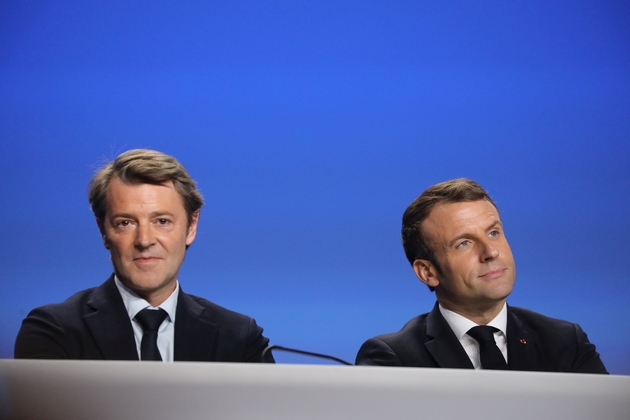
[493,274]
[145,260]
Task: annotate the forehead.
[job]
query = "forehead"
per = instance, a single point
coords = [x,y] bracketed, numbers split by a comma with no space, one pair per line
[120,194]
[448,220]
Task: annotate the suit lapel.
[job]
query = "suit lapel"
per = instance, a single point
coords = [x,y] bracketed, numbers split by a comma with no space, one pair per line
[109,324]
[521,344]
[445,347]
[196,335]
[449,353]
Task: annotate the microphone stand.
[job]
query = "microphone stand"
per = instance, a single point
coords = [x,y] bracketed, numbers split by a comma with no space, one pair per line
[302,352]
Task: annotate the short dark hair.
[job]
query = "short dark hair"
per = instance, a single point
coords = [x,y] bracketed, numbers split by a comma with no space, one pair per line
[143,166]
[415,242]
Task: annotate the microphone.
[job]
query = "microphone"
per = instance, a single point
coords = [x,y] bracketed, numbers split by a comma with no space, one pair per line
[302,352]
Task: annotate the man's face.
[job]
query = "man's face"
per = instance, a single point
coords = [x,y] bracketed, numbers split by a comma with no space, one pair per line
[146,233]
[476,264]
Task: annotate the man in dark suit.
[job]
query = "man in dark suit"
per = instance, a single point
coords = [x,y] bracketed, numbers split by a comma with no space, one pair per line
[453,237]
[147,210]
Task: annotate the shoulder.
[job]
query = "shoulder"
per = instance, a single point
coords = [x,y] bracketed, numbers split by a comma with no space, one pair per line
[69,309]
[229,322]
[55,330]
[563,346]
[400,348]
[238,337]
[415,327]
[534,321]
[552,333]
[218,314]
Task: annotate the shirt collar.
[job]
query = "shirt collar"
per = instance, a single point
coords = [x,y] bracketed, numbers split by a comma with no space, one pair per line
[460,325]
[134,303]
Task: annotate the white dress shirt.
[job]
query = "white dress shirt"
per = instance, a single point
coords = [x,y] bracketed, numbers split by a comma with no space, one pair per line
[166,332]
[460,326]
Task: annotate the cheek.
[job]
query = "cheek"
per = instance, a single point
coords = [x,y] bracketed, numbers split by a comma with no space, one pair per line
[507,253]
[117,246]
[173,243]
[462,270]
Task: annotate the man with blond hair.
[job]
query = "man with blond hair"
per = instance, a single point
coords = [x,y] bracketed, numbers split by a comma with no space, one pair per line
[454,239]
[147,210]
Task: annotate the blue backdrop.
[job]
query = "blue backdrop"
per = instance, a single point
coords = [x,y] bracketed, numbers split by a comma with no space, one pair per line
[310,126]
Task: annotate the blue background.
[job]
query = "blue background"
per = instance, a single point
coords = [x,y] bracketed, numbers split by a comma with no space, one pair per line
[309,127]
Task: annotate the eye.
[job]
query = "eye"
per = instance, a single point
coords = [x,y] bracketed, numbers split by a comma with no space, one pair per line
[463,244]
[122,223]
[163,222]
[494,233]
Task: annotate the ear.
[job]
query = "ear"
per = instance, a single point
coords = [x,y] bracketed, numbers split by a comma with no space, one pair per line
[103,235]
[426,272]
[192,229]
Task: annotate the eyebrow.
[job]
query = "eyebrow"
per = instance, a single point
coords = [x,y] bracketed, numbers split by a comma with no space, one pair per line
[161,213]
[151,215]
[468,235]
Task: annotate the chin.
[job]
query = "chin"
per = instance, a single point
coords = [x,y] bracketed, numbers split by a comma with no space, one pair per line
[149,285]
[503,294]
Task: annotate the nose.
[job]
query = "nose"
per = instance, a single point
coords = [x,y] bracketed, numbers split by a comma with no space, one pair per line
[489,251]
[144,236]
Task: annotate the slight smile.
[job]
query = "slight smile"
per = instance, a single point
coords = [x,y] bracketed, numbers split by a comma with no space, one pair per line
[494,273]
[145,260]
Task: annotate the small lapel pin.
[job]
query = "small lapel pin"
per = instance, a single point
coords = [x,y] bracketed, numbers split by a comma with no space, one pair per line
[523,341]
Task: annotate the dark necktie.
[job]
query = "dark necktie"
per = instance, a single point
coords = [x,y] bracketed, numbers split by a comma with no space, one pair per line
[490,355]
[150,320]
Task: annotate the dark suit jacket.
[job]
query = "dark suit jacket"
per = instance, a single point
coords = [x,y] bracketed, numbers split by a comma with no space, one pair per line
[94,324]
[535,343]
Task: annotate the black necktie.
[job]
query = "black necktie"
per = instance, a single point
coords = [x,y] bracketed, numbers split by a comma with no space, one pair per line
[150,320]
[490,355]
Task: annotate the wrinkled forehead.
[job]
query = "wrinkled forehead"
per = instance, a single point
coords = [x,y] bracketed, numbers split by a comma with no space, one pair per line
[448,220]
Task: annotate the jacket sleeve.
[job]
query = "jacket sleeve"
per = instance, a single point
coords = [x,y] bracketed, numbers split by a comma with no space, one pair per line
[41,337]
[375,352]
[256,344]
[586,359]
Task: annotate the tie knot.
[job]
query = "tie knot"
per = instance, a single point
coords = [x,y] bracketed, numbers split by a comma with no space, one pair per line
[482,333]
[151,319]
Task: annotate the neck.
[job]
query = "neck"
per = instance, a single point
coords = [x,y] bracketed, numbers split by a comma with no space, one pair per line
[156,298]
[478,315]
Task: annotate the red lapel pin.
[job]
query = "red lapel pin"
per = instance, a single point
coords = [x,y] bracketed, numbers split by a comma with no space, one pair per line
[523,341]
